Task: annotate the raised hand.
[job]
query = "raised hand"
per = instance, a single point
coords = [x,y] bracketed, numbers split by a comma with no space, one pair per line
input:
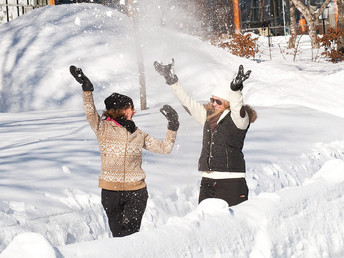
[167,71]
[81,78]
[171,116]
[237,83]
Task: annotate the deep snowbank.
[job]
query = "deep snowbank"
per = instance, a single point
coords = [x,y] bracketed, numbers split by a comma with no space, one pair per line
[264,220]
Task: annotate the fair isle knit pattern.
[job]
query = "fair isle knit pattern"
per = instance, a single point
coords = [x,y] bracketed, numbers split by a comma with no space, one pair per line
[121,151]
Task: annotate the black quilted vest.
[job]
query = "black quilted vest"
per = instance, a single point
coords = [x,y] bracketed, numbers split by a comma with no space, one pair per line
[222,149]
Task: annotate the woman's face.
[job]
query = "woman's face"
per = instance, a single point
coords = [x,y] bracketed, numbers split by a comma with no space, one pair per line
[218,103]
[129,113]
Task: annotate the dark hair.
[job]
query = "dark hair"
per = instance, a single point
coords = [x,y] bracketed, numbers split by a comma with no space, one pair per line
[115,113]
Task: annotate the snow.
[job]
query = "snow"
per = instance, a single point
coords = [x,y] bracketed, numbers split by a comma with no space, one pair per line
[31,245]
[49,160]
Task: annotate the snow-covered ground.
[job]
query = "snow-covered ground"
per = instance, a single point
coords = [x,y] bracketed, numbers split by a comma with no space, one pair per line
[49,159]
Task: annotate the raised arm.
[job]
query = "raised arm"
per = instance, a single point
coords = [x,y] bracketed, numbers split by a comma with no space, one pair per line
[167,144]
[238,112]
[91,113]
[195,109]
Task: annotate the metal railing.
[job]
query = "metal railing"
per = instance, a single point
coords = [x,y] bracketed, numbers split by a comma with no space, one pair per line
[11,9]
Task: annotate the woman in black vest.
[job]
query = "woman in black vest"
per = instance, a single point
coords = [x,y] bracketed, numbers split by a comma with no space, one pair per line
[226,121]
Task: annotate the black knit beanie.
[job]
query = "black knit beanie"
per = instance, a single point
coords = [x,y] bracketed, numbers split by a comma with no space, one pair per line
[118,101]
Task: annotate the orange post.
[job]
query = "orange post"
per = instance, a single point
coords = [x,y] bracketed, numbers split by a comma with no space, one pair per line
[52,2]
[236,16]
[335,13]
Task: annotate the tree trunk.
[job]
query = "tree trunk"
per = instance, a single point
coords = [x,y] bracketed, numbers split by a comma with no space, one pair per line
[292,24]
[292,17]
[311,17]
[313,32]
[139,55]
[340,24]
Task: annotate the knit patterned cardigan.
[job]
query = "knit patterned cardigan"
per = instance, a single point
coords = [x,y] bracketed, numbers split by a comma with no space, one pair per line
[121,151]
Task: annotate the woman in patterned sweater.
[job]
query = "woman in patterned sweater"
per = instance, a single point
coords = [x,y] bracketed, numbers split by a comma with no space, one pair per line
[124,193]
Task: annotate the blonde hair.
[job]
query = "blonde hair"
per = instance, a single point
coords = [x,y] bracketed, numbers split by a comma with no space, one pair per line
[252,114]
[210,108]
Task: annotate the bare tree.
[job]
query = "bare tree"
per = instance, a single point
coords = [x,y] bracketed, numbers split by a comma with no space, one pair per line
[311,17]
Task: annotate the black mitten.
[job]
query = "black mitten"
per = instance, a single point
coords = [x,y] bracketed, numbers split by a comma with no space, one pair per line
[81,78]
[171,116]
[167,71]
[237,83]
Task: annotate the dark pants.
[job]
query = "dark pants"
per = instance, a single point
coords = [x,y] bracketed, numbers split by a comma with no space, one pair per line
[124,210]
[233,191]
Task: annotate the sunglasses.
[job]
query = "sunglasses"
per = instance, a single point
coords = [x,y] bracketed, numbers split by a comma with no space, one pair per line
[218,102]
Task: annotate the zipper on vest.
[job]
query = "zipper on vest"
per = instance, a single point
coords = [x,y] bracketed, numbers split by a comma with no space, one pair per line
[227,160]
[210,149]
